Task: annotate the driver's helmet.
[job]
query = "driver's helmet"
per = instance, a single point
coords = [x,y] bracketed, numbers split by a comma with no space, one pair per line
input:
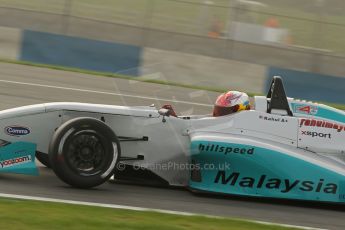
[231,102]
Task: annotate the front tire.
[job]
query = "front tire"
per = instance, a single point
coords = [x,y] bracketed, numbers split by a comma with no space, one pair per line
[84,152]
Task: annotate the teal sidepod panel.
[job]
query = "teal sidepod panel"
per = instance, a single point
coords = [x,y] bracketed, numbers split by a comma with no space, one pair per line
[18,157]
[249,170]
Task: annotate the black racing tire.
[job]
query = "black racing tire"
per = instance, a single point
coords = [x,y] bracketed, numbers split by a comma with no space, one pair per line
[43,158]
[84,152]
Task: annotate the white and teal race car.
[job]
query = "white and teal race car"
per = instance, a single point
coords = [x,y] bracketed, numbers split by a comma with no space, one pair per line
[281,148]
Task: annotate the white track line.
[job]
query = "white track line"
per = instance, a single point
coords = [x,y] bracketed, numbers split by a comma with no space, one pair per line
[103,92]
[133,208]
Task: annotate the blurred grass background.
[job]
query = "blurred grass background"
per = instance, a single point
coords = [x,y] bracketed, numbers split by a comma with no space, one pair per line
[316,24]
[23,214]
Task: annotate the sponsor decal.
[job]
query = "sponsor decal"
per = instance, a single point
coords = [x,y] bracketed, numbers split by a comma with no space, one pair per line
[316,134]
[225,149]
[306,109]
[15,161]
[342,196]
[282,185]
[322,124]
[275,119]
[17,130]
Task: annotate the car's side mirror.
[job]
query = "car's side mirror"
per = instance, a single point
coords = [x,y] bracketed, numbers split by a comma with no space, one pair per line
[164,112]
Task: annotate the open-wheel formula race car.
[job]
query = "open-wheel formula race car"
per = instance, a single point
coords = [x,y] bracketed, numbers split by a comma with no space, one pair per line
[281,148]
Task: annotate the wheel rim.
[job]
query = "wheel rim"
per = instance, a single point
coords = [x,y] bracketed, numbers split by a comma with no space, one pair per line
[86,152]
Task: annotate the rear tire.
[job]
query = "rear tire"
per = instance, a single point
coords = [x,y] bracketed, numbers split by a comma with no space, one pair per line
[84,152]
[43,158]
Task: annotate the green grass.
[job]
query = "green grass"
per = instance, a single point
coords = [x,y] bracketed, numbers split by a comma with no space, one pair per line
[306,31]
[182,17]
[23,214]
[338,106]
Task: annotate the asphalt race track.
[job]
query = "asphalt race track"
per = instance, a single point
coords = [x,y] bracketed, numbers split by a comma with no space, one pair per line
[24,85]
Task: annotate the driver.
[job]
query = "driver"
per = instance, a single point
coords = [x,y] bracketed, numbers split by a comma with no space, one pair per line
[231,102]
